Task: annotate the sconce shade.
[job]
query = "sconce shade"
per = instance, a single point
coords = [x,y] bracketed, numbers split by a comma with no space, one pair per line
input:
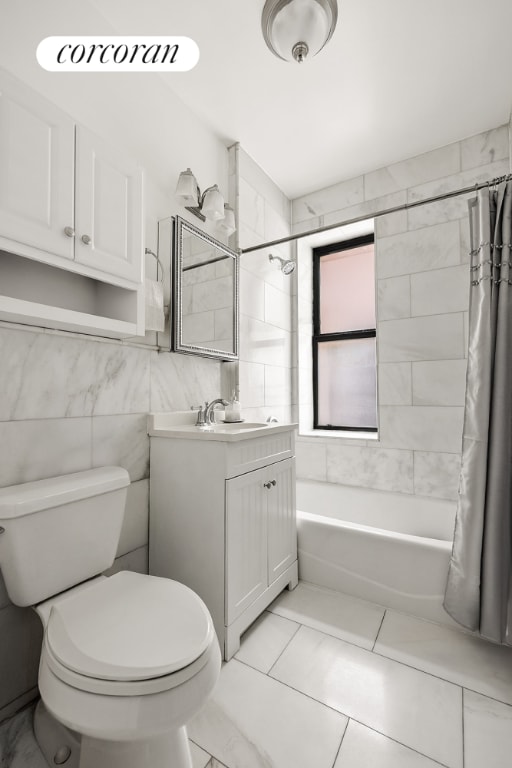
[212,206]
[227,224]
[294,29]
[187,188]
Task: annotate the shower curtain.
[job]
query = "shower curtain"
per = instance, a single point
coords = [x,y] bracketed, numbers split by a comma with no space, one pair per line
[479,589]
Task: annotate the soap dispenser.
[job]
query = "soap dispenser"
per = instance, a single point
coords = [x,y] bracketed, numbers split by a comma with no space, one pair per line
[232,412]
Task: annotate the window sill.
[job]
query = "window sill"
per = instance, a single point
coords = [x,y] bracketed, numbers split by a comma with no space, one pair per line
[343,434]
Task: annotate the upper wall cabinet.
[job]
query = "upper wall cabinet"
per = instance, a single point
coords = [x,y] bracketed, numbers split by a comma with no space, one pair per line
[71,215]
[37,159]
[108,209]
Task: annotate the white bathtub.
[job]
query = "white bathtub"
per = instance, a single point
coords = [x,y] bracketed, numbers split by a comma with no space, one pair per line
[389,548]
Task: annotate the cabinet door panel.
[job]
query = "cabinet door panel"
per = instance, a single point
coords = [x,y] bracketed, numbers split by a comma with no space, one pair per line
[108,209]
[36,170]
[246,542]
[281,514]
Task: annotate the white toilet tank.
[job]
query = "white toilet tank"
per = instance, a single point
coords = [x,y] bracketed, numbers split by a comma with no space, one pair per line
[60,531]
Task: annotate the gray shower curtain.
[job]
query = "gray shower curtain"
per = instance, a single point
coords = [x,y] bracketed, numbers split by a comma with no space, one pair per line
[479,590]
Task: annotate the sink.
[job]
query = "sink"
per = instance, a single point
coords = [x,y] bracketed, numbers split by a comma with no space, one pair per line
[181,424]
[239,426]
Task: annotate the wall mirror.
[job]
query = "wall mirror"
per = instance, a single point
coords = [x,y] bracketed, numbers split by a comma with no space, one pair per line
[205,306]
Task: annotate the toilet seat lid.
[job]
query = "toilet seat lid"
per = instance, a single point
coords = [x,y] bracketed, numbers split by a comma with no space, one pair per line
[129,627]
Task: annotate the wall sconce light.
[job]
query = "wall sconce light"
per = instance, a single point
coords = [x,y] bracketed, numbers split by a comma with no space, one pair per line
[294,29]
[208,205]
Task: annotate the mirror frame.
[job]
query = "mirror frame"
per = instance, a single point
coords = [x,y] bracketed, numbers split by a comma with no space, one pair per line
[177,344]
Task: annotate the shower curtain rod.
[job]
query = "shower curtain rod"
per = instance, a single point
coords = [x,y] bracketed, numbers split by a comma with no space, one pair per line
[376,214]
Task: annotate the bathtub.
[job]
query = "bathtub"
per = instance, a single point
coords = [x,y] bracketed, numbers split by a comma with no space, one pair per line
[388,548]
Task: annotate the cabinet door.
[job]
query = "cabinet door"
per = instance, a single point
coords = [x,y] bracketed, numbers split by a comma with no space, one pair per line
[109,228]
[246,541]
[281,518]
[36,171]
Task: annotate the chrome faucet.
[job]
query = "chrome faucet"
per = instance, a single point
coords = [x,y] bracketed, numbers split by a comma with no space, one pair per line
[210,407]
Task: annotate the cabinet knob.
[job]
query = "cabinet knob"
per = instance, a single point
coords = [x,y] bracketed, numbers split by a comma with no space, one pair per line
[267,485]
[86,240]
[273,482]
[69,231]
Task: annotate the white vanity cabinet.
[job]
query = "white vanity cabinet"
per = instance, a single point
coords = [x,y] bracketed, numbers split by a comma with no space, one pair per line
[71,221]
[222,521]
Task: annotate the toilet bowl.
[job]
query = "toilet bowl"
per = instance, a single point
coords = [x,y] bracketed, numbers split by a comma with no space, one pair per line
[127,660]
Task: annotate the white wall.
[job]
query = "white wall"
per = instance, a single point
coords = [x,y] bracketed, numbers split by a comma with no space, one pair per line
[422,306]
[72,402]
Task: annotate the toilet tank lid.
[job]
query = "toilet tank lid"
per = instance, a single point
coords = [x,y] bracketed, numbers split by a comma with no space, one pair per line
[37,495]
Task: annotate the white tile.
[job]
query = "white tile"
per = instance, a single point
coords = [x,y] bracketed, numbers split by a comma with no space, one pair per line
[278,385]
[365,748]
[121,441]
[395,386]
[265,640]
[252,295]
[264,343]
[440,291]
[334,198]
[251,721]
[311,460]
[418,710]
[47,375]
[251,207]
[436,474]
[416,170]
[438,337]
[334,613]
[440,213]
[32,450]
[200,758]
[439,382]
[278,307]
[394,298]
[487,732]
[252,384]
[384,469]
[134,532]
[455,656]
[179,381]
[256,177]
[422,428]
[433,247]
[485,148]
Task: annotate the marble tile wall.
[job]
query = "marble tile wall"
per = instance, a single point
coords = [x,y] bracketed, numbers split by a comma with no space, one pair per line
[422,304]
[266,323]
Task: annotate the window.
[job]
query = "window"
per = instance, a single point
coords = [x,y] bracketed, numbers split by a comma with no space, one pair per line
[344,336]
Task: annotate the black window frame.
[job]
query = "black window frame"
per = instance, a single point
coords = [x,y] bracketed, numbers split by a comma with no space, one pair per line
[319,338]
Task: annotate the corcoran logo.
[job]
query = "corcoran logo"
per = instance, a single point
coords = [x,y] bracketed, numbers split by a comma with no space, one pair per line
[117,54]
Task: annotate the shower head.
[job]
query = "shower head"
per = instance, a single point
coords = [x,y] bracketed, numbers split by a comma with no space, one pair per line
[286,267]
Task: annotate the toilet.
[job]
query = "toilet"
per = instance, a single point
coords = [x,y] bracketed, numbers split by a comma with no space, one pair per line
[127,660]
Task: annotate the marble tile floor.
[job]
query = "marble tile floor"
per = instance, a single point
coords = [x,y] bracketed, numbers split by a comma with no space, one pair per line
[323,680]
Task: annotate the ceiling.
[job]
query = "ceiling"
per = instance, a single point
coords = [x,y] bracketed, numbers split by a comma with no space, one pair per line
[398,78]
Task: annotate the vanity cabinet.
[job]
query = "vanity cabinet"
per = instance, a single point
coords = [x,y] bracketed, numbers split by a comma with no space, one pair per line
[222,521]
[71,221]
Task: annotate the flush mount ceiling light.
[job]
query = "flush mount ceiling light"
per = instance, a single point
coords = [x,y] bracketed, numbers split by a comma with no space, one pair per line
[295,29]
[208,205]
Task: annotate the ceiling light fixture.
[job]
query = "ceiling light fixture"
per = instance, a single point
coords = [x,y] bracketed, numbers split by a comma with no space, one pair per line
[295,29]
[208,205]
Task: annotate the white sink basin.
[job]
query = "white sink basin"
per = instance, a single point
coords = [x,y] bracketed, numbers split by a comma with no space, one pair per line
[239,426]
[182,425]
